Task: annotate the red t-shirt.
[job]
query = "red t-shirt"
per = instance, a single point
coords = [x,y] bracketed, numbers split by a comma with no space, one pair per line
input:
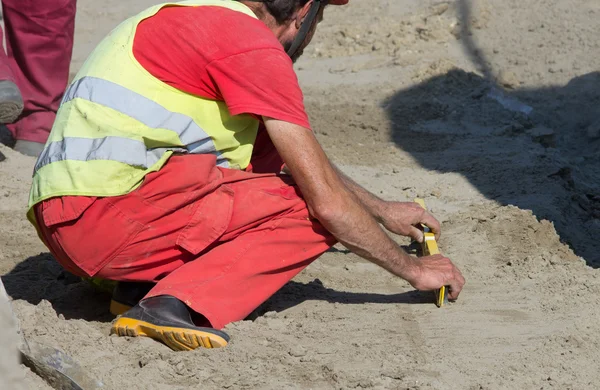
[225,55]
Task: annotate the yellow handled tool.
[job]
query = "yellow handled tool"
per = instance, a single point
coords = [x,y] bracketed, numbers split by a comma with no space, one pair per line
[430,247]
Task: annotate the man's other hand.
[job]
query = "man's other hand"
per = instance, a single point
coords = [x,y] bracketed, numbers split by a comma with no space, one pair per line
[403,218]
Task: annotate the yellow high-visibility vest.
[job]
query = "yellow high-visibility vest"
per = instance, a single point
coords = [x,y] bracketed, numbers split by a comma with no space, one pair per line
[117,123]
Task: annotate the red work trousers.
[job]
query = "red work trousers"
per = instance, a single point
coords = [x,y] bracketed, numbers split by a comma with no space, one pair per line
[39,44]
[221,240]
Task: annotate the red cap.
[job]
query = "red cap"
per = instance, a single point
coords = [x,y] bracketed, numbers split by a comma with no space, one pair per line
[338,2]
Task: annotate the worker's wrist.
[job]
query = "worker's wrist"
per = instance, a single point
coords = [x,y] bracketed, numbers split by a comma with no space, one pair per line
[407,267]
[379,210]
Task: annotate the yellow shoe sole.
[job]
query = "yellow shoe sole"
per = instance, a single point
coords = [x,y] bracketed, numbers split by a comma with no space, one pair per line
[178,339]
[116,308]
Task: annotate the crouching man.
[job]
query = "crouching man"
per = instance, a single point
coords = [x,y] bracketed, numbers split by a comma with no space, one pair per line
[182,164]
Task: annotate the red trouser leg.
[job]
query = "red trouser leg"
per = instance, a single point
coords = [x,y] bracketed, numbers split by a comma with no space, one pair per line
[222,241]
[228,282]
[39,43]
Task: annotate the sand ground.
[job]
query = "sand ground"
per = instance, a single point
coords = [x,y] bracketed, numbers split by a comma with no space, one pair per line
[489,112]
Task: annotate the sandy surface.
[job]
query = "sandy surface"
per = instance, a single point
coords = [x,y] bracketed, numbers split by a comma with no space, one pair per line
[402,96]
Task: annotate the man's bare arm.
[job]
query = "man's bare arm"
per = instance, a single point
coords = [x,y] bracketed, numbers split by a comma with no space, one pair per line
[398,217]
[337,208]
[374,204]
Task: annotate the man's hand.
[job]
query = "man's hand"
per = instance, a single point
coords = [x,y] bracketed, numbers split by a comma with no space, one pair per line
[403,217]
[432,272]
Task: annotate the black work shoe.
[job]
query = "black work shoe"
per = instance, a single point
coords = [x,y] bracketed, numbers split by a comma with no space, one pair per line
[127,294]
[167,319]
[11,102]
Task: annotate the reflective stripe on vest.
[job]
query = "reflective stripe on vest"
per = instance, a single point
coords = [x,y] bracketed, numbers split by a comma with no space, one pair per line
[125,150]
[121,149]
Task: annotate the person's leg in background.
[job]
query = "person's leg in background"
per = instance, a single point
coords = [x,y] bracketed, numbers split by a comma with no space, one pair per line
[39,44]
[11,101]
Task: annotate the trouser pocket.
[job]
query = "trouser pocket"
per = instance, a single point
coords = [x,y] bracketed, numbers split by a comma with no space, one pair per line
[209,221]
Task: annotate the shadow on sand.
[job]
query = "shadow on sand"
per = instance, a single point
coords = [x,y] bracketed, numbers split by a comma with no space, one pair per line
[294,293]
[533,148]
[42,278]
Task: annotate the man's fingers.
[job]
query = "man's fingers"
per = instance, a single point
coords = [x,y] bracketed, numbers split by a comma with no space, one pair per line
[416,234]
[456,285]
[432,223]
[455,289]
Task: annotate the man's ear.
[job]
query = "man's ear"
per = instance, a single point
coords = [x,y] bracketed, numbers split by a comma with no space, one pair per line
[302,12]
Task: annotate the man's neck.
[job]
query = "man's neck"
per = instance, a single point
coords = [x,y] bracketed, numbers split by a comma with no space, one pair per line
[264,16]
